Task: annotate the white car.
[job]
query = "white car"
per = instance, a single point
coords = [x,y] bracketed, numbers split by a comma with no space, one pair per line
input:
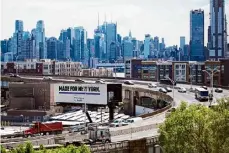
[117,123]
[182,89]
[47,78]
[151,85]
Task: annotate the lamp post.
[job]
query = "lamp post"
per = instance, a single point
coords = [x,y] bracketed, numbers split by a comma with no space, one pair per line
[191,76]
[17,64]
[22,121]
[173,82]
[211,75]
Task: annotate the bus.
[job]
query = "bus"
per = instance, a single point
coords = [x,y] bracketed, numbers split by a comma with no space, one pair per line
[201,94]
[166,82]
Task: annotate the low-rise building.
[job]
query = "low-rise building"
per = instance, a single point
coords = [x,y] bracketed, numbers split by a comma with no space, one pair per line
[149,70]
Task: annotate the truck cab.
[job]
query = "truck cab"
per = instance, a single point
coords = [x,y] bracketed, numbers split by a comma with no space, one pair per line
[99,133]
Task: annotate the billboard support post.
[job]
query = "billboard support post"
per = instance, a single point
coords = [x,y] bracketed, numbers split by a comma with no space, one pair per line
[111,105]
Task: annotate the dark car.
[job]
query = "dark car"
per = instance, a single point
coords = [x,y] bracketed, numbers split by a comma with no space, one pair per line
[205,87]
[79,80]
[14,75]
[163,90]
[219,90]
[129,83]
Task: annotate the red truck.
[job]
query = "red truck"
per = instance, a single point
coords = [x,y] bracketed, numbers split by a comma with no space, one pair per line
[44,128]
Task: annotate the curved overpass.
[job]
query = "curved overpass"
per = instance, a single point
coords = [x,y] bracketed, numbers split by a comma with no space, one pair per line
[148,127]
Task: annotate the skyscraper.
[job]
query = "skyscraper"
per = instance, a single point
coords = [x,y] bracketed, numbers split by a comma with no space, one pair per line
[111,34]
[40,40]
[52,48]
[197,35]
[217,36]
[29,49]
[147,46]
[182,42]
[19,26]
[79,44]
[100,45]
[127,48]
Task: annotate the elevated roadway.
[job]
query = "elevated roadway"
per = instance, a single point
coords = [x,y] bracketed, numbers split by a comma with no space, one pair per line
[149,126]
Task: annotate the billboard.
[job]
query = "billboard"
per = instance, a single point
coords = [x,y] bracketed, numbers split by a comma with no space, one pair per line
[81,93]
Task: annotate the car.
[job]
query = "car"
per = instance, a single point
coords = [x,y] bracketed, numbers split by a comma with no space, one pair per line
[163,90]
[129,83]
[219,90]
[100,81]
[205,87]
[151,85]
[168,89]
[167,114]
[14,75]
[117,123]
[182,90]
[79,80]
[47,78]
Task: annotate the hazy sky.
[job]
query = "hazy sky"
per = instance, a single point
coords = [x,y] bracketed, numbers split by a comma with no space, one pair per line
[163,18]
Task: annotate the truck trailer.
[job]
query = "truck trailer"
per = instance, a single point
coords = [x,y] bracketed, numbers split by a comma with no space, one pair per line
[44,128]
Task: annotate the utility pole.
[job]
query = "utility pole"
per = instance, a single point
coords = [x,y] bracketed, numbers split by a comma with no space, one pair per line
[211,75]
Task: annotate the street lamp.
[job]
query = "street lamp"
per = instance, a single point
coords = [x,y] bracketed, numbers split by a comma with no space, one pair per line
[22,121]
[17,64]
[211,74]
[191,76]
[173,82]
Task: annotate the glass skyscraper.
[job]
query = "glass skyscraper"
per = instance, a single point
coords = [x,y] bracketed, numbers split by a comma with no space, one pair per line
[197,35]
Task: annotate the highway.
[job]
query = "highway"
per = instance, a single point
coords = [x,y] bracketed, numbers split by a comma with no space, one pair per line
[132,131]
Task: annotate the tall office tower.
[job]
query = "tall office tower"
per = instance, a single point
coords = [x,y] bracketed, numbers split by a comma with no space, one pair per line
[90,50]
[100,45]
[111,34]
[182,42]
[136,49]
[19,26]
[26,35]
[197,35]
[127,48]
[119,38]
[156,43]
[79,44]
[147,46]
[29,49]
[52,48]
[64,46]
[217,36]
[41,46]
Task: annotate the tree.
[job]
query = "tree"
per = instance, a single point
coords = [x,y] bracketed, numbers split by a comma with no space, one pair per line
[196,128]
[28,148]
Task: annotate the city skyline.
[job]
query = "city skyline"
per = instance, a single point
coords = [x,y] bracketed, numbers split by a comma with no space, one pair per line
[129,15]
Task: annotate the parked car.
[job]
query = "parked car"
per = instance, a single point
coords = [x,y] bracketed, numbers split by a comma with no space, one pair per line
[117,123]
[182,89]
[168,89]
[205,87]
[219,90]
[151,85]
[77,128]
[163,90]
[129,83]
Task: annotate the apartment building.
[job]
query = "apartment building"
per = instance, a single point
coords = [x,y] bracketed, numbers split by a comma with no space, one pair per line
[149,70]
